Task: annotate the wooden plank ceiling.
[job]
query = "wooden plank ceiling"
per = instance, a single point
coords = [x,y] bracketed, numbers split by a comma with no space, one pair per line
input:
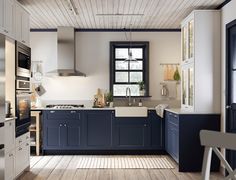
[157,14]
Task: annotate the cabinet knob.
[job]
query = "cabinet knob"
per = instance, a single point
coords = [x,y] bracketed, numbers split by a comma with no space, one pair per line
[145,125]
[23,41]
[60,125]
[27,144]
[10,124]
[65,125]
[175,116]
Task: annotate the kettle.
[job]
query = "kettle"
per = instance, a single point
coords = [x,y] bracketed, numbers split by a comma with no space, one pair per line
[7,109]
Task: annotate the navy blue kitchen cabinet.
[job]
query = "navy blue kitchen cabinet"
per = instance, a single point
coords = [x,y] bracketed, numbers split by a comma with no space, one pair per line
[131,133]
[61,130]
[157,130]
[98,129]
[182,139]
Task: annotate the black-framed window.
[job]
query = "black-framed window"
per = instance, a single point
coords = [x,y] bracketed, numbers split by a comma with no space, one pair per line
[125,73]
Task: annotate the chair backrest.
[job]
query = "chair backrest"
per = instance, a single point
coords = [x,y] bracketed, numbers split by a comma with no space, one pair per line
[218,139]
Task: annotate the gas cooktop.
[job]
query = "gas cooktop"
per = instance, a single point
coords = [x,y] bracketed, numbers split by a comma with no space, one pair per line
[64,106]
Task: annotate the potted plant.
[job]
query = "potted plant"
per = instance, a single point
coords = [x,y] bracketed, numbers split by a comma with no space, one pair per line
[109,99]
[141,88]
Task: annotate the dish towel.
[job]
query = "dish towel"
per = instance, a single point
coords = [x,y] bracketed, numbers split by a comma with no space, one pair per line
[160,108]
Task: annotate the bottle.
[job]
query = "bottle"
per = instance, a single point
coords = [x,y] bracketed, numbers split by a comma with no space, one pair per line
[140,103]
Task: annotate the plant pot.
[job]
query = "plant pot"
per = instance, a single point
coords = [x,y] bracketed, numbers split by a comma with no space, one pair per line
[141,92]
[111,104]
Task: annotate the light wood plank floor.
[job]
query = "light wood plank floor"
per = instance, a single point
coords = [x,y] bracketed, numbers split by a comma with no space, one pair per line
[64,168]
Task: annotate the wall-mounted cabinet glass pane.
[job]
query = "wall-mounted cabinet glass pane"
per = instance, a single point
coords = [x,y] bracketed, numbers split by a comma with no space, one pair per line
[184,88]
[121,53]
[190,86]
[136,65]
[191,39]
[120,89]
[136,76]
[121,65]
[184,43]
[121,77]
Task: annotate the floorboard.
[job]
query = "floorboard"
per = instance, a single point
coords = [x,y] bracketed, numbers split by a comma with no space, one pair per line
[64,168]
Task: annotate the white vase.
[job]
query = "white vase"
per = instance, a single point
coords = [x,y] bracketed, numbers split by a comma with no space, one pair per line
[111,104]
[141,92]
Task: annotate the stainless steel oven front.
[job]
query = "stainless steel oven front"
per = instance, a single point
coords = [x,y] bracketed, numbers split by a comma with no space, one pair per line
[23,60]
[23,106]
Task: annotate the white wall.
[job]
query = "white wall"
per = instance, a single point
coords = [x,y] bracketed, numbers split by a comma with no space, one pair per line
[228,15]
[92,56]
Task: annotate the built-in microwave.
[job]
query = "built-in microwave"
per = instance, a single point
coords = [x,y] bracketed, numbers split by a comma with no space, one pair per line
[23,60]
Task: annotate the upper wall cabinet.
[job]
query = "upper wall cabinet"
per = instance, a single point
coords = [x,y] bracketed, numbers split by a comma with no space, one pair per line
[14,21]
[6,19]
[201,61]
[21,23]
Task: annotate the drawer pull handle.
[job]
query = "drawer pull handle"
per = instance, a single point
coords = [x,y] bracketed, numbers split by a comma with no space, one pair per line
[20,149]
[72,111]
[27,144]
[52,111]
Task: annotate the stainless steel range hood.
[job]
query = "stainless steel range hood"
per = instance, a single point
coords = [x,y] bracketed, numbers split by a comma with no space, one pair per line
[66,53]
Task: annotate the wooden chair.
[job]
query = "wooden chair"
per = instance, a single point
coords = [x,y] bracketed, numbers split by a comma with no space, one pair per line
[213,140]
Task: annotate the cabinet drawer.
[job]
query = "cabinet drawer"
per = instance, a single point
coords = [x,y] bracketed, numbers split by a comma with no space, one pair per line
[22,157]
[9,135]
[22,139]
[63,115]
[173,118]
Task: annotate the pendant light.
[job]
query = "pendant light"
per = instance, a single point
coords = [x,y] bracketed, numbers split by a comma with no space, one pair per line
[130,54]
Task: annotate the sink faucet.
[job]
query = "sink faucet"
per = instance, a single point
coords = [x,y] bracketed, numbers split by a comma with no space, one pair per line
[128,90]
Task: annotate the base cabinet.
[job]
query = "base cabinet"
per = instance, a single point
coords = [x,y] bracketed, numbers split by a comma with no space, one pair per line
[131,133]
[98,129]
[61,130]
[182,139]
[22,153]
[10,165]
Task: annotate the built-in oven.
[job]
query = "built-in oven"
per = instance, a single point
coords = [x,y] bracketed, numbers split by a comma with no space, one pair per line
[23,60]
[23,105]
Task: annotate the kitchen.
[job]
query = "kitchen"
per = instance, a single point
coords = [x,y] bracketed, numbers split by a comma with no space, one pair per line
[92,91]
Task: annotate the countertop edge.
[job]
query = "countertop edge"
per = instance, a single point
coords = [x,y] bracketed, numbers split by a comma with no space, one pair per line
[180,111]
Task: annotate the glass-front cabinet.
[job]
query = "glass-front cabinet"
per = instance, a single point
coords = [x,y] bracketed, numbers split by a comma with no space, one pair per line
[187,41]
[187,87]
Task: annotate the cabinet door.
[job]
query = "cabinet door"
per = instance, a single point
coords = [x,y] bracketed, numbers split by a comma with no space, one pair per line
[191,39]
[19,163]
[25,27]
[73,134]
[9,135]
[187,86]
[18,22]
[132,133]
[1,15]
[156,130]
[10,165]
[51,134]
[175,143]
[8,20]
[98,129]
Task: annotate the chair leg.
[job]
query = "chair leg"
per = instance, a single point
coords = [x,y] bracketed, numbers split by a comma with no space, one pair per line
[206,166]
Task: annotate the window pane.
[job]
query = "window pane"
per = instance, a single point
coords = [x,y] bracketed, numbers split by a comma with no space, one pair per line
[121,77]
[137,53]
[121,65]
[121,53]
[120,90]
[136,76]
[136,65]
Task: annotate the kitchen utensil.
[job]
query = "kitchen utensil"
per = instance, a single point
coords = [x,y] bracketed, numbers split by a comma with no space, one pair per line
[164,90]
[40,90]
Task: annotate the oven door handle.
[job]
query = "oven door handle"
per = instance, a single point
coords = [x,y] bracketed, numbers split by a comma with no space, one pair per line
[24,93]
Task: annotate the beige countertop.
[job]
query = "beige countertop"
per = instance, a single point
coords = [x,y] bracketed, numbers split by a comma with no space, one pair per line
[84,108]
[181,111]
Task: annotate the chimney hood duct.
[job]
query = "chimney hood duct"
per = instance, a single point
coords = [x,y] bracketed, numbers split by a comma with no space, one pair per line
[66,53]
